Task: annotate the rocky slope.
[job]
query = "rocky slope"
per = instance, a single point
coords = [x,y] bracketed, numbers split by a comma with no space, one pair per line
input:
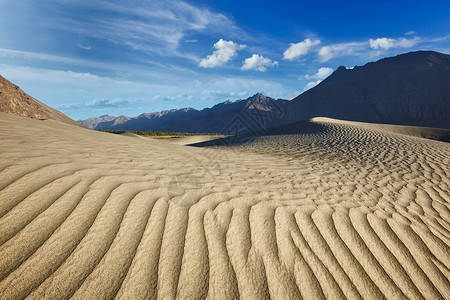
[14,100]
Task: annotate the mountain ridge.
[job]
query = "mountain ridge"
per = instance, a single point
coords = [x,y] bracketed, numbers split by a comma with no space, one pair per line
[411,89]
[218,118]
[408,89]
[14,100]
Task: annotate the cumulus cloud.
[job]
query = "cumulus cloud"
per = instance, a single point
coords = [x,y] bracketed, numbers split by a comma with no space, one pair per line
[412,32]
[321,74]
[258,62]
[387,43]
[326,53]
[317,78]
[225,50]
[299,49]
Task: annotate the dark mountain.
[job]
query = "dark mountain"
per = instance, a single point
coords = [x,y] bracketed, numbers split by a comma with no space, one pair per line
[229,117]
[15,101]
[408,89]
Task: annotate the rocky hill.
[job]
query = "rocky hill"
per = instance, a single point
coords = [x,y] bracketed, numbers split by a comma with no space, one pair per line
[253,113]
[14,100]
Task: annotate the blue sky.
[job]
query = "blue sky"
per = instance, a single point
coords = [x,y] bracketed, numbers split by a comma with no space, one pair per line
[89,58]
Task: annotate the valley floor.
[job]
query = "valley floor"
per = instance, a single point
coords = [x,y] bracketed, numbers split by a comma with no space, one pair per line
[322,209]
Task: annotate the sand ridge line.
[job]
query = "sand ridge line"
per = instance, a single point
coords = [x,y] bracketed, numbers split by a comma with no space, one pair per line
[328,210]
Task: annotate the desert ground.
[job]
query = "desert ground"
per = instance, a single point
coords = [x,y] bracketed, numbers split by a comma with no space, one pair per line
[320,209]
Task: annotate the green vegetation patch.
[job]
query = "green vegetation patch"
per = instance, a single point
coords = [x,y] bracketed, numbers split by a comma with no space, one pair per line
[156,134]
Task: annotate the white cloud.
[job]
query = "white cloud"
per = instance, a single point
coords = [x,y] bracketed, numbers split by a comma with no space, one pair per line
[321,74]
[331,51]
[258,62]
[149,26]
[387,43]
[25,55]
[412,32]
[311,84]
[154,74]
[326,53]
[223,94]
[317,78]
[84,47]
[364,49]
[299,49]
[98,103]
[225,50]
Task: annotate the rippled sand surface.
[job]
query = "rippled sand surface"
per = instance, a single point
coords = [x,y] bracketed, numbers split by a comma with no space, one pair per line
[319,209]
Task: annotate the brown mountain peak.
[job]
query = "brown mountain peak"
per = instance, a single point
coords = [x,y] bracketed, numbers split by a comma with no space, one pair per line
[14,100]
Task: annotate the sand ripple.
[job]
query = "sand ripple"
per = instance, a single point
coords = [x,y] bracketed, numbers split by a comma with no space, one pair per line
[324,209]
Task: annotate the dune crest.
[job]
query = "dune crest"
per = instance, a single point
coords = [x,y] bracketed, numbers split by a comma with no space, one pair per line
[328,210]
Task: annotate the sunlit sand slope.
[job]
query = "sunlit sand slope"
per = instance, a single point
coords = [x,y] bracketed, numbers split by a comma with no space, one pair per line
[327,209]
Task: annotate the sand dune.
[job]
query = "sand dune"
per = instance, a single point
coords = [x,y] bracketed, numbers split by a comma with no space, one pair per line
[323,209]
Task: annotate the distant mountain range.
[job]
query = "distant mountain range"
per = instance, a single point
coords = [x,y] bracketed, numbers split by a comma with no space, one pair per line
[15,101]
[408,89]
[253,113]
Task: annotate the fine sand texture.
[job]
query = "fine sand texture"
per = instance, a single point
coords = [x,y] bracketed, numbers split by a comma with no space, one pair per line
[319,209]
